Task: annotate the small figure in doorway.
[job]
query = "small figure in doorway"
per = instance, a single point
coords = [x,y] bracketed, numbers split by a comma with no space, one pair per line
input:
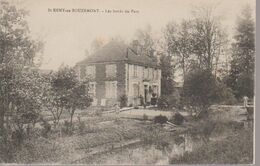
[142,101]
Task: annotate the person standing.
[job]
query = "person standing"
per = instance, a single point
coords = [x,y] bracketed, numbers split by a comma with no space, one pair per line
[142,101]
[245,101]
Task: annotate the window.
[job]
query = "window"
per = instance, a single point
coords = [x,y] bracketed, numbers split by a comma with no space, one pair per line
[140,71]
[146,74]
[111,70]
[91,71]
[135,71]
[150,73]
[92,89]
[111,89]
[155,74]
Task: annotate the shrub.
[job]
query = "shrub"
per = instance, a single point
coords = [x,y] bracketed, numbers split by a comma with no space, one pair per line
[153,101]
[226,95]
[177,119]
[160,119]
[46,128]
[162,103]
[123,101]
[170,101]
[67,128]
[200,89]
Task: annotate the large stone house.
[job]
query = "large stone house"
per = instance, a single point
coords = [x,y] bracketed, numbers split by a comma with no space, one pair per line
[116,70]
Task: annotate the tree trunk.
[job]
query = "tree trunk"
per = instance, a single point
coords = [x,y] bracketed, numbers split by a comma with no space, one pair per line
[2,117]
[71,116]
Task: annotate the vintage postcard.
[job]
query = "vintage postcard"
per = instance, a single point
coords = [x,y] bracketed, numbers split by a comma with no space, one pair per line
[127,82]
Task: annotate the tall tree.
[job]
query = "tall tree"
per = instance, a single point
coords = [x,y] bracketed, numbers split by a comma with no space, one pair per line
[167,82]
[208,37]
[179,43]
[146,41]
[200,89]
[17,52]
[241,78]
[68,93]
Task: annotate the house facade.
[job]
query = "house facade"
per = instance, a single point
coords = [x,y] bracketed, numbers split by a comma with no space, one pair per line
[116,70]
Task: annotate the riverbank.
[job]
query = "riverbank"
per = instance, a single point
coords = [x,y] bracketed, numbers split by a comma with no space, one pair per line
[111,139]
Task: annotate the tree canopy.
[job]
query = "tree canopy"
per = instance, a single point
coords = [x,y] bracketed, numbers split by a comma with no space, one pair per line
[241,77]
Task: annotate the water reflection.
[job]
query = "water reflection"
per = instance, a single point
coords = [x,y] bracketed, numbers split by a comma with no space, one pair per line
[185,143]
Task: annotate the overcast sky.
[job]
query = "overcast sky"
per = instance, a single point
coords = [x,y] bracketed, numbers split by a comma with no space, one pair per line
[68,35]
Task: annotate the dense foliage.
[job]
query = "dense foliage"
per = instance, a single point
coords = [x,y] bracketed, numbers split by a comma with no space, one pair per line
[167,82]
[200,89]
[241,77]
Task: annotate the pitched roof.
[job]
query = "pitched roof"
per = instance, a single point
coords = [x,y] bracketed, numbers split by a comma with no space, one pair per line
[115,51]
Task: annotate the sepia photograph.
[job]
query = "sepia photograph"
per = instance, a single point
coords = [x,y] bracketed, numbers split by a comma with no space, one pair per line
[127,82]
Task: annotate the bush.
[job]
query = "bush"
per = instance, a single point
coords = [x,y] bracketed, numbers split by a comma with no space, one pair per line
[67,128]
[226,95]
[162,103]
[200,89]
[46,128]
[160,119]
[168,102]
[123,101]
[177,119]
[153,101]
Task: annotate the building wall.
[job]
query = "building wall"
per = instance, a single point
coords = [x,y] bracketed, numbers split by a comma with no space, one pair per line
[138,78]
[101,78]
[130,79]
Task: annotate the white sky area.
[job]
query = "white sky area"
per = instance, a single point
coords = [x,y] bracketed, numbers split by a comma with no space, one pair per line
[68,35]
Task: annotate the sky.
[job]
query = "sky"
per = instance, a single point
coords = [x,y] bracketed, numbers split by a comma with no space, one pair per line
[67,35]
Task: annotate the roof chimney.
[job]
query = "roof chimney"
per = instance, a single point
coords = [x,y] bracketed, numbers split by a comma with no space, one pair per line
[136,47]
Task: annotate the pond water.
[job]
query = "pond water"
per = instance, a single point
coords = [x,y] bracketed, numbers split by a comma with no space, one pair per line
[175,146]
[150,154]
